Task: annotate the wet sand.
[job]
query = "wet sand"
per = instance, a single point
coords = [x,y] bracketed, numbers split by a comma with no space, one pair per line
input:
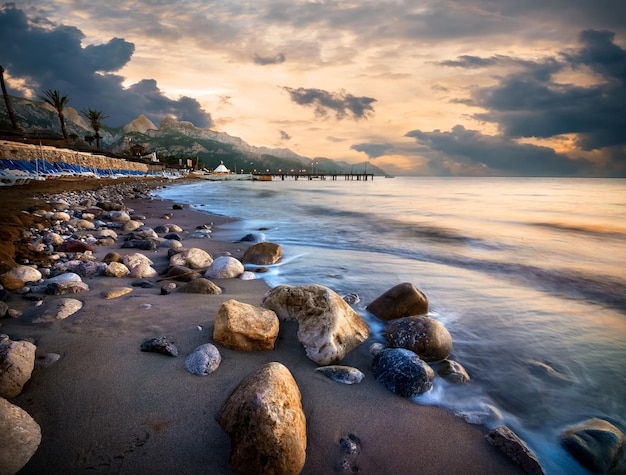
[107,407]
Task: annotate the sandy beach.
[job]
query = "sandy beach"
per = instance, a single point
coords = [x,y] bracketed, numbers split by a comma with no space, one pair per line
[107,407]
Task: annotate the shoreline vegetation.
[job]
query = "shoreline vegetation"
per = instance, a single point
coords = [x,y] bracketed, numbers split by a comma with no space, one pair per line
[103,404]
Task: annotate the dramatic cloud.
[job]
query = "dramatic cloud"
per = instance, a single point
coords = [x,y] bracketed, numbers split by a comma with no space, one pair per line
[342,103]
[372,150]
[284,135]
[265,60]
[57,60]
[496,154]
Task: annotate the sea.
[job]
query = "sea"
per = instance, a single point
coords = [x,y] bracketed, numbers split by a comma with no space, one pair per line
[527,274]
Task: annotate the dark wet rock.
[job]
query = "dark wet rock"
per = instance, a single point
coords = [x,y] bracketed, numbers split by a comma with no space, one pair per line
[66,287]
[453,371]
[88,269]
[161,229]
[175,236]
[4,295]
[597,444]
[161,344]
[352,299]
[20,437]
[201,285]
[508,442]
[425,336]
[178,206]
[341,374]
[264,419]
[403,300]
[253,237]
[402,372]
[263,253]
[4,309]
[181,273]
[73,245]
[143,244]
[144,284]
[203,360]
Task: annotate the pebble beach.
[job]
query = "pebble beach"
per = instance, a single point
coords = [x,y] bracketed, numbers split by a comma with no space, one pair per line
[105,406]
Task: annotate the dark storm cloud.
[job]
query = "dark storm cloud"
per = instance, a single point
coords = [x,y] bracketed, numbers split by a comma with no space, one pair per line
[372,150]
[498,154]
[265,60]
[531,103]
[52,57]
[342,103]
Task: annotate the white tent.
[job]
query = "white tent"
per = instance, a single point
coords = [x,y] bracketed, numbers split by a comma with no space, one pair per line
[221,169]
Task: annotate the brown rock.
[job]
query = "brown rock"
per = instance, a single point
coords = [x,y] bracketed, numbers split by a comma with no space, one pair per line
[328,327]
[263,417]
[453,371]
[74,245]
[263,253]
[240,326]
[17,360]
[200,285]
[508,442]
[425,336]
[20,437]
[403,300]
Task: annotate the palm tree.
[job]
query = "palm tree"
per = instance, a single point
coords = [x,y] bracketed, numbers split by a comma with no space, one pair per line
[95,118]
[7,101]
[56,100]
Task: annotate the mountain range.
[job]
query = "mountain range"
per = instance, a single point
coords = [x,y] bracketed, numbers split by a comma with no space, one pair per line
[173,141]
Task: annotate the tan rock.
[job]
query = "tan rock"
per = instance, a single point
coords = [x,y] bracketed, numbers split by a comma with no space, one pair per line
[240,326]
[116,269]
[117,292]
[403,300]
[263,253]
[17,360]
[263,417]
[194,258]
[20,437]
[328,327]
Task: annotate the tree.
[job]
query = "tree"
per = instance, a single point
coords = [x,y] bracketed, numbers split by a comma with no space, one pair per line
[7,101]
[89,139]
[95,118]
[56,100]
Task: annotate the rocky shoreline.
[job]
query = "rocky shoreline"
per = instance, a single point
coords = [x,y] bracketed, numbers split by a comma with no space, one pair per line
[115,279]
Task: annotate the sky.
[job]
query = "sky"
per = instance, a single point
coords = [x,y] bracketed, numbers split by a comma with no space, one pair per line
[433,87]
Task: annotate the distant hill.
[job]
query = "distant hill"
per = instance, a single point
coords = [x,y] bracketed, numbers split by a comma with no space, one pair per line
[173,141]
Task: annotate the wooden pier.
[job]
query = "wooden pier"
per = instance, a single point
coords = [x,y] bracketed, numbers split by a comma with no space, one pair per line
[313,176]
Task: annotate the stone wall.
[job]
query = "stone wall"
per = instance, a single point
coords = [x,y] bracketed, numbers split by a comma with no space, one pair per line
[19,151]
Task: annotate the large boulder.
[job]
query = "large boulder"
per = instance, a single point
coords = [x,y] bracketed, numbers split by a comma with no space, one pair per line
[403,300]
[17,361]
[422,335]
[263,253]
[194,258]
[328,327]
[224,267]
[596,444]
[240,326]
[263,417]
[20,437]
[402,372]
[18,276]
